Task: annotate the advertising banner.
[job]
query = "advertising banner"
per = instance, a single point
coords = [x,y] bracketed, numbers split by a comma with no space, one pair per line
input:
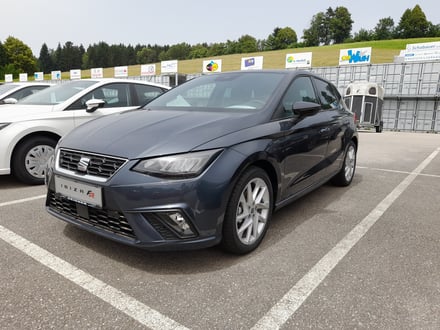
[168,66]
[212,66]
[56,75]
[148,69]
[121,71]
[429,51]
[355,56]
[252,63]
[75,74]
[298,60]
[9,78]
[23,77]
[97,73]
[38,76]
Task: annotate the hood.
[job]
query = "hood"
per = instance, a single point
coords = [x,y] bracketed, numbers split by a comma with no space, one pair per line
[22,112]
[139,134]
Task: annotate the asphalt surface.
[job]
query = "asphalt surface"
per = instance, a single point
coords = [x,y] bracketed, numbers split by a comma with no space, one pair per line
[362,257]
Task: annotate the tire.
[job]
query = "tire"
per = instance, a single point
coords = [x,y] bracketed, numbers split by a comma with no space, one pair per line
[30,157]
[346,174]
[379,128]
[248,212]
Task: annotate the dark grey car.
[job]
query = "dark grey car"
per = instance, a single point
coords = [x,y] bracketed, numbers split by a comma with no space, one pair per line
[205,163]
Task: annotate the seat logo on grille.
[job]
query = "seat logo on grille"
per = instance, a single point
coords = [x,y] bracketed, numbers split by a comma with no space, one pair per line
[83,164]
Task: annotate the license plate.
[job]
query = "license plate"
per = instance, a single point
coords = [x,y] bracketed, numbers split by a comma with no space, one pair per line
[78,191]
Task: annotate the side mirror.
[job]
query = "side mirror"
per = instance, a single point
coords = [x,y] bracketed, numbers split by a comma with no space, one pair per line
[10,100]
[302,108]
[94,104]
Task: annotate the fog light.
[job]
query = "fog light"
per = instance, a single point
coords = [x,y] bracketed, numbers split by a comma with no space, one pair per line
[177,222]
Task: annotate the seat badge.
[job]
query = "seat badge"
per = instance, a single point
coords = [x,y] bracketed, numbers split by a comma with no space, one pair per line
[83,164]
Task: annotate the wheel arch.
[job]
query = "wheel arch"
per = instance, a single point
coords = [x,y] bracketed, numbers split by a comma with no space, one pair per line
[30,136]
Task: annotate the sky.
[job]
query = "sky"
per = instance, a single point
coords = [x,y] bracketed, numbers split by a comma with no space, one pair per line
[132,22]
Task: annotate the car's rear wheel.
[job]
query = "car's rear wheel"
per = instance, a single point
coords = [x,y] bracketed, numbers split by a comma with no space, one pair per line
[248,213]
[346,174]
[29,162]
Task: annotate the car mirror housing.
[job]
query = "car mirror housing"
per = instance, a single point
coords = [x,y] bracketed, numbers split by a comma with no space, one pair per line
[302,108]
[94,104]
[10,100]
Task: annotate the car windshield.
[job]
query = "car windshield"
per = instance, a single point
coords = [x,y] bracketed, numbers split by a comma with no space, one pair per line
[236,91]
[6,87]
[57,94]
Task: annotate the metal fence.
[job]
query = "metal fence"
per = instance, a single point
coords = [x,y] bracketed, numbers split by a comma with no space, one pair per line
[412,91]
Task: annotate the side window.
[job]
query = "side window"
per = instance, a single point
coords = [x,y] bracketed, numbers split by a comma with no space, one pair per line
[114,95]
[22,93]
[328,95]
[301,89]
[146,93]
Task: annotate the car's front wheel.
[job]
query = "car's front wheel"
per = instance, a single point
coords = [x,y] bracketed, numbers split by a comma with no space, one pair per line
[30,159]
[248,213]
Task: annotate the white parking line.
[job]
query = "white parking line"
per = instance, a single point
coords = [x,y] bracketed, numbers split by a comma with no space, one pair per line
[279,314]
[394,171]
[24,200]
[125,303]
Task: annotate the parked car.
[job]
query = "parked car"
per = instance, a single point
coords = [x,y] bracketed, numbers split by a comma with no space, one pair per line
[10,93]
[205,163]
[30,129]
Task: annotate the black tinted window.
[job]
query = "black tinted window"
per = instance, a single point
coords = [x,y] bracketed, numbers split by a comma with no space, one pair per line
[328,94]
[301,89]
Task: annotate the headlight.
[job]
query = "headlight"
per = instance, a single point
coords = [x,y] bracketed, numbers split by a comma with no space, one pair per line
[182,165]
[3,125]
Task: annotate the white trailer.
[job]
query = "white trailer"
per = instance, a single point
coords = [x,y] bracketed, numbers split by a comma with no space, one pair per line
[365,100]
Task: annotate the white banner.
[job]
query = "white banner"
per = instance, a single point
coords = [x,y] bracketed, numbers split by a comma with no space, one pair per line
[9,78]
[148,69]
[252,63]
[298,60]
[355,56]
[56,75]
[38,76]
[168,66]
[75,74]
[121,71]
[212,66]
[97,73]
[23,77]
[429,51]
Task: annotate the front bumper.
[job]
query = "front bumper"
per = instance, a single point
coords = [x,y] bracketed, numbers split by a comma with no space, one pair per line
[134,204]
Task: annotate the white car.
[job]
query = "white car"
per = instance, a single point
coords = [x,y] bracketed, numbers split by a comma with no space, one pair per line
[30,129]
[12,92]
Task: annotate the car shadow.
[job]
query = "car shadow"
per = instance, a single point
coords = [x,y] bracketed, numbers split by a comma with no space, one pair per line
[284,222]
[9,181]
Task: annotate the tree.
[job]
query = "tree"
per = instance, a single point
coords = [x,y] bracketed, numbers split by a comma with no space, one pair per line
[311,36]
[3,56]
[199,51]
[246,44]
[363,35]
[413,24]
[20,55]
[281,38]
[45,60]
[384,29]
[340,24]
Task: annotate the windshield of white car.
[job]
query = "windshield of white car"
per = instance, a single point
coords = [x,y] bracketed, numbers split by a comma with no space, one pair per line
[57,94]
[234,92]
[6,87]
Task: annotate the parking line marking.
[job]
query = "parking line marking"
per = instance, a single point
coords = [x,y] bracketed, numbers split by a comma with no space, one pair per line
[284,309]
[395,171]
[24,200]
[123,302]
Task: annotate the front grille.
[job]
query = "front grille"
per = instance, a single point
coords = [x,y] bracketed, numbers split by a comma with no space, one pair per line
[109,220]
[99,165]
